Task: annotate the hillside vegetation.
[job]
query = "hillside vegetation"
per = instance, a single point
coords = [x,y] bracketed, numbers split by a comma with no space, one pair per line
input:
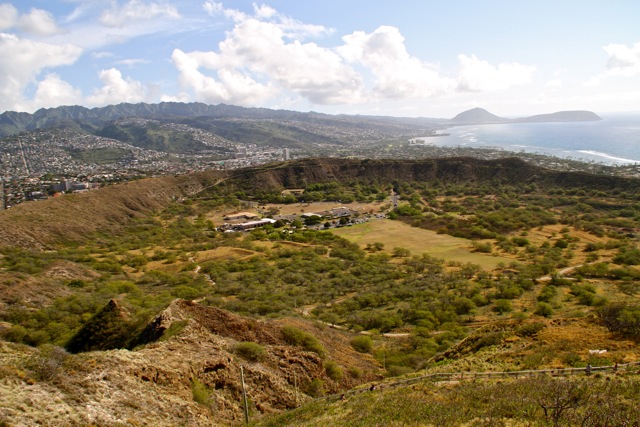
[133,284]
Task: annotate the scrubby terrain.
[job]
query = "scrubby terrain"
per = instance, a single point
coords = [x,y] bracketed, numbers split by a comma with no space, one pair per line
[139,303]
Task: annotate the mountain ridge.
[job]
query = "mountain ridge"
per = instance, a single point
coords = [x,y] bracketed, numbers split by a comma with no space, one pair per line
[113,206]
[12,122]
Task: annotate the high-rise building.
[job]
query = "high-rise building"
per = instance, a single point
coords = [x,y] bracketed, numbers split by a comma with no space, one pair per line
[285,154]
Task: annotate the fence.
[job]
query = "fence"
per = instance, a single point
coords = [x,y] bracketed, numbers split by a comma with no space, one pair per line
[452,376]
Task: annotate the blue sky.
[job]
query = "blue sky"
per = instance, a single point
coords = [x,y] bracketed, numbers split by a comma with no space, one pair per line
[406,58]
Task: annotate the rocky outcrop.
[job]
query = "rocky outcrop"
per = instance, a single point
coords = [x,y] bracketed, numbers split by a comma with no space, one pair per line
[157,384]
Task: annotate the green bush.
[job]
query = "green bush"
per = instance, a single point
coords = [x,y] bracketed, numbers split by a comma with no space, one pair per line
[622,318]
[201,393]
[315,388]
[628,257]
[502,306]
[355,372]
[333,370]
[544,309]
[250,351]
[362,344]
[295,336]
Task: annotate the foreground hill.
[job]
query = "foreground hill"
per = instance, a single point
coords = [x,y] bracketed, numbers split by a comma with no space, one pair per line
[188,375]
[541,400]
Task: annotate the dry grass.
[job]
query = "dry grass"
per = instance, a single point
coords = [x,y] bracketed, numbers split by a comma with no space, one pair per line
[419,241]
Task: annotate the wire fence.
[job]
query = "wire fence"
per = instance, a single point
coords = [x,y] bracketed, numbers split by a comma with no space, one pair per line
[460,376]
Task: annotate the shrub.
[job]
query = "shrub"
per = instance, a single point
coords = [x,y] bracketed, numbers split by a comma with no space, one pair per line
[333,370]
[355,372]
[572,359]
[628,257]
[396,371]
[520,241]
[250,351]
[561,243]
[621,318]
[200,392]
[295,336]
[362,344]
[174,329]
[463,305]
[544,309]
[488,340]
[502,306]
[547,294]
[529,329]
[48,363]
[315,387]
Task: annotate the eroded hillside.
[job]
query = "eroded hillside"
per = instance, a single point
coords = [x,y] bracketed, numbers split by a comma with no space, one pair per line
[189,375]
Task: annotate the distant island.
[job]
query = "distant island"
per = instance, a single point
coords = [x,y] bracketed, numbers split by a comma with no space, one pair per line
[479,116]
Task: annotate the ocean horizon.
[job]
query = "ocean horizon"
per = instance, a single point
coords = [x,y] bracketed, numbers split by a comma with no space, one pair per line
[614,140]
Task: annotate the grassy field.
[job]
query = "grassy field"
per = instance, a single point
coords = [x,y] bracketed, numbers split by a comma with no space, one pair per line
[419,241]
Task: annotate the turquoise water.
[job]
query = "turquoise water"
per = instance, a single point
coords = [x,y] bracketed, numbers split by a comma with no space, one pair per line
[613,140]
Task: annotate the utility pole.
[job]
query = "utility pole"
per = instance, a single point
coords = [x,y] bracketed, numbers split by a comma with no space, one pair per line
[244,397]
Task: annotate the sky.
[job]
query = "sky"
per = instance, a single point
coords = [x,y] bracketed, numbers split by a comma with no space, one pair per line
[412,58]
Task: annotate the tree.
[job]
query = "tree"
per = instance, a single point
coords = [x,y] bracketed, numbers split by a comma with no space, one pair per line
[401,252]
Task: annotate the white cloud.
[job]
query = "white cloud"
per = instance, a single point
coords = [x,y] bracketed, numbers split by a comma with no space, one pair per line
[132,62]
[256,52]
[134,11]
[38,22]
[53,91]
[555,83]
[22,60]
[477,75]
[8,16]
[101,54]
[623,59]
[266,53]
[264,11]
[230,86]
[397,74]
[217,9]
[116,89]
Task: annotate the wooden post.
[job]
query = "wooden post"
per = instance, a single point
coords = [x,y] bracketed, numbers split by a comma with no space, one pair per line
[244,397]
[295,385]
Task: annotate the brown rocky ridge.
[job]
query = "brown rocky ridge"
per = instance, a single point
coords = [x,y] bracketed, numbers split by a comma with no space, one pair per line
[191,378]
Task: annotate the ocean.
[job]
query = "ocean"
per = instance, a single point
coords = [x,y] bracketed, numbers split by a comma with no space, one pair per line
[613,140]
